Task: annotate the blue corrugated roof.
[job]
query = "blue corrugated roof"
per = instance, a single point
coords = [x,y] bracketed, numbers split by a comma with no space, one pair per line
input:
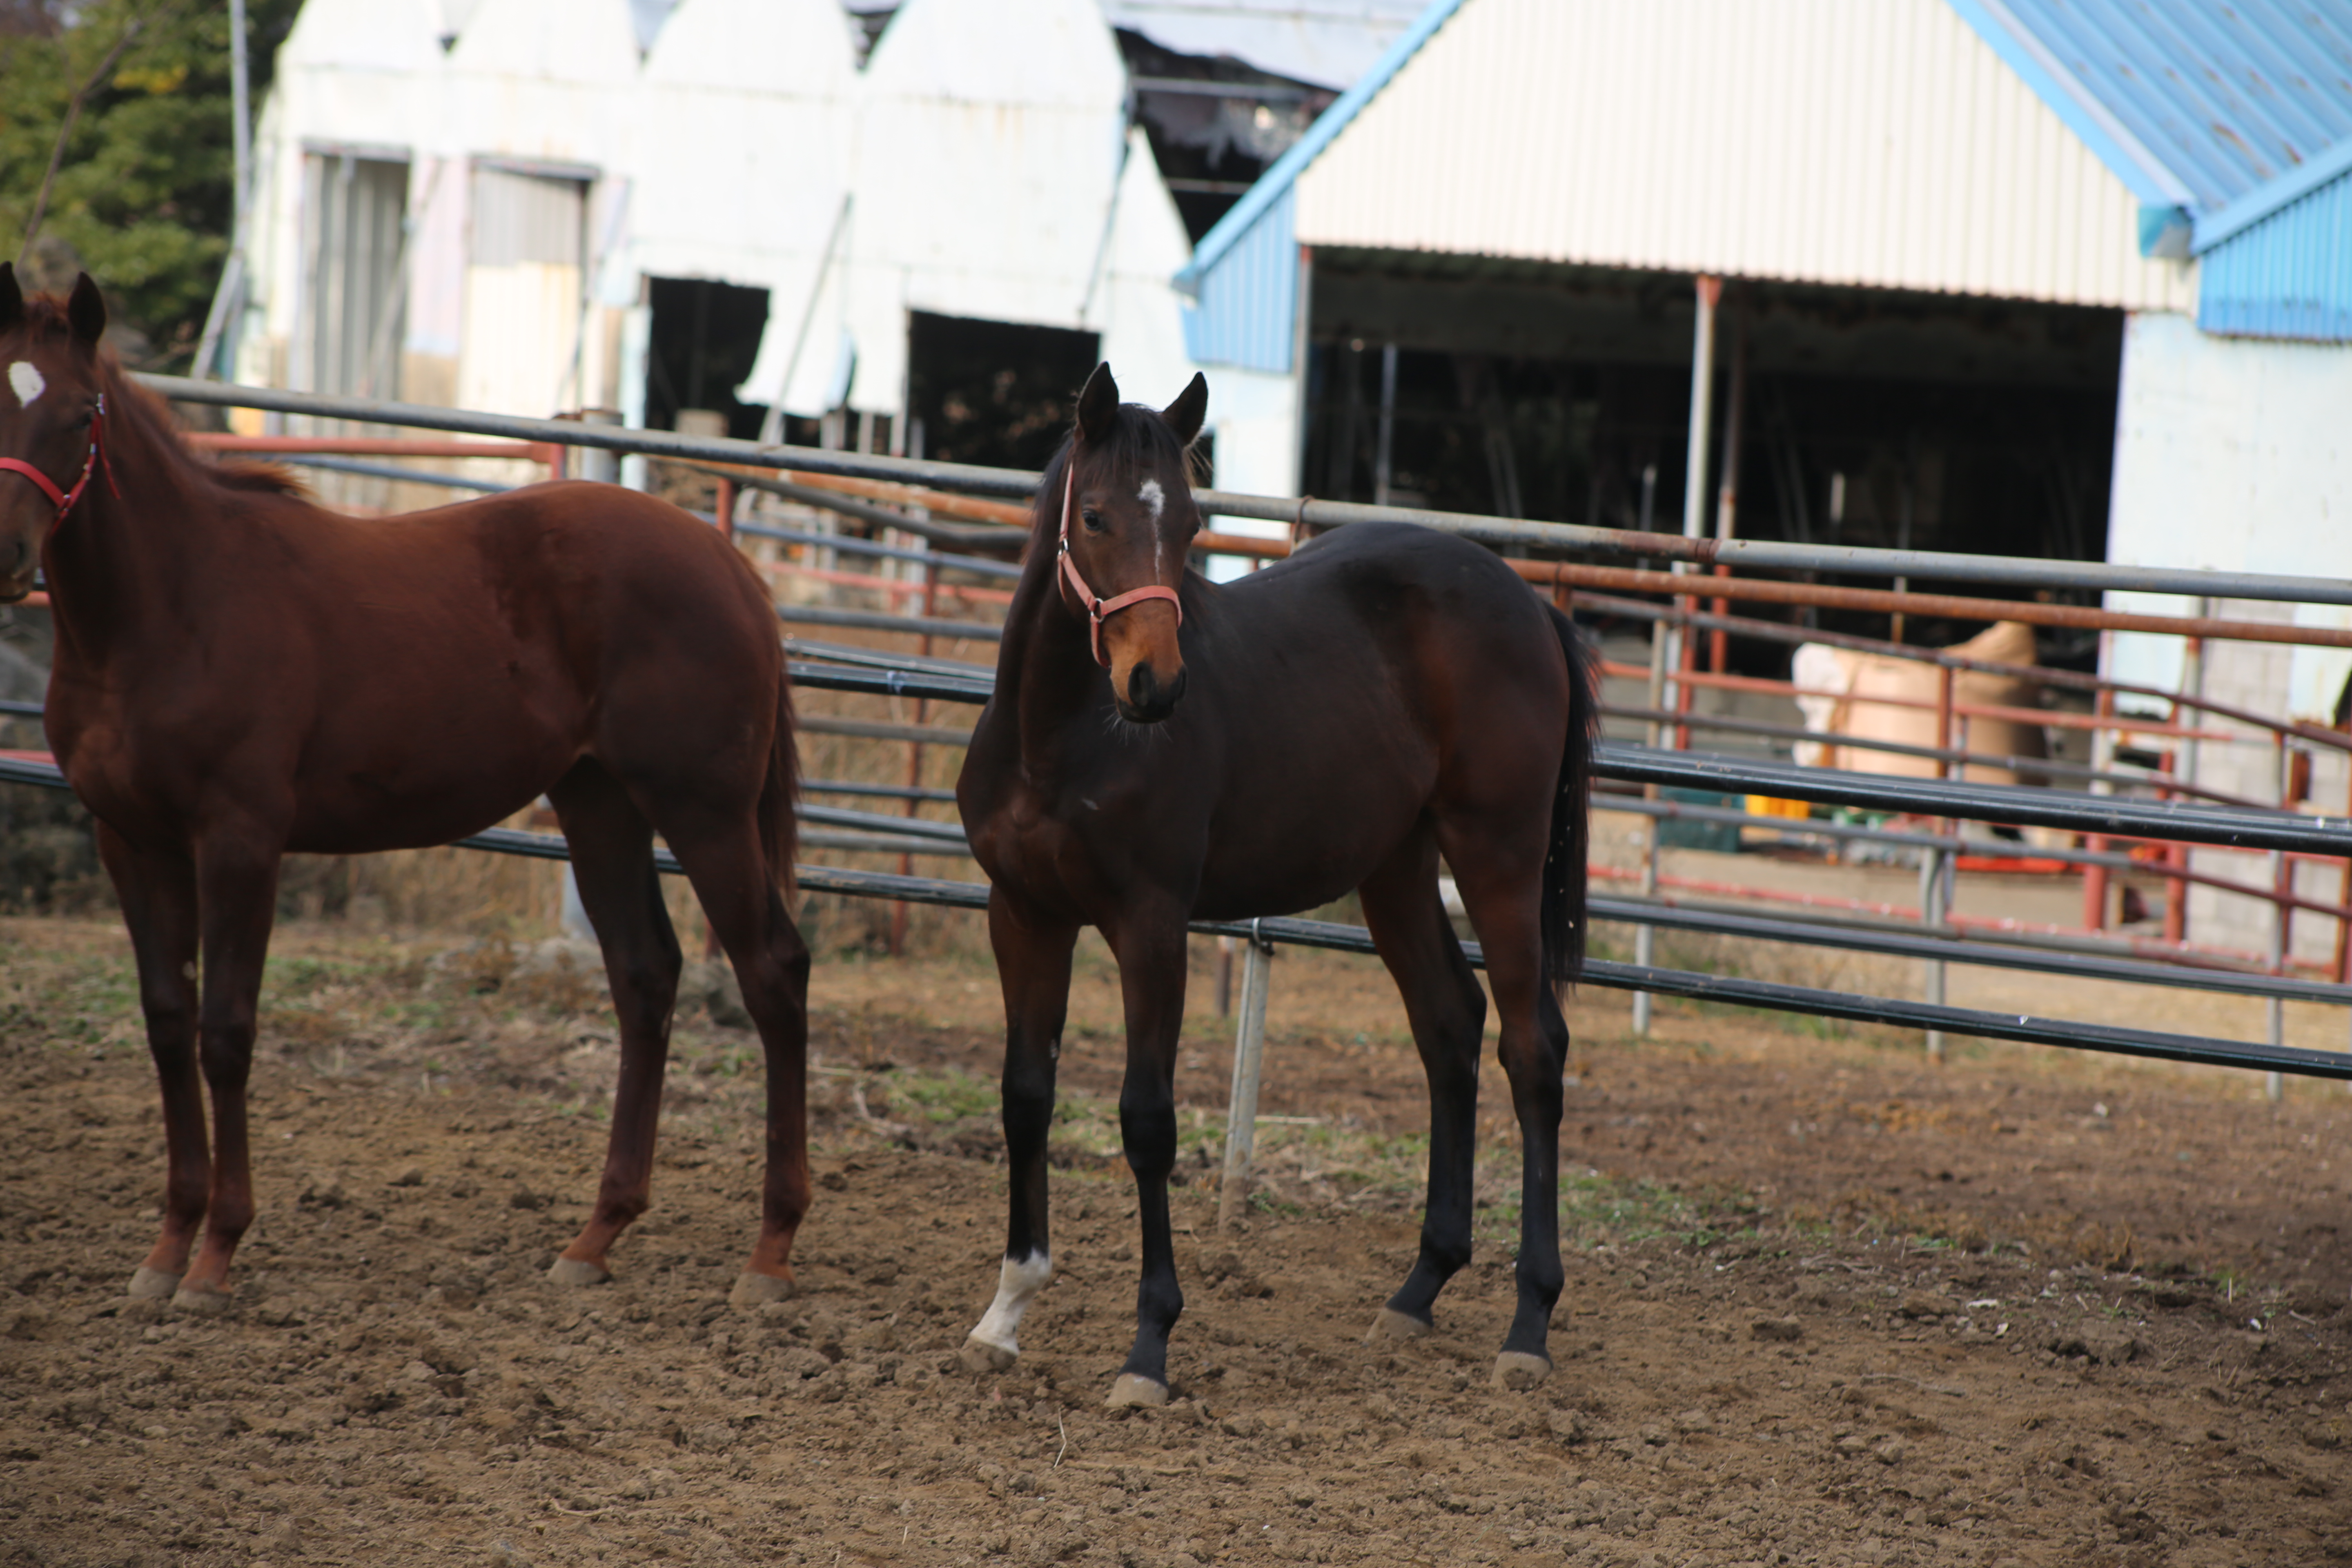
[2238,113]
[1275,183]
[2231,121]
[2203,104]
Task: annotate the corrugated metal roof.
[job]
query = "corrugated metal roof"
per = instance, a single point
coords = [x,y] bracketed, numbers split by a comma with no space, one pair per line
[1879,142]
[2290,276]
[1274,185]
[1247,310]
[2225,94]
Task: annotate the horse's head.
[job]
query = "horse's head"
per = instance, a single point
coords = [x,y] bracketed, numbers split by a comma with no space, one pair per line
[48,358]
[1127,524]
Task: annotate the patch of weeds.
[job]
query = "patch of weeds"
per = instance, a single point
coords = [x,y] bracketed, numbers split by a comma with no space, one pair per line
[946,1097]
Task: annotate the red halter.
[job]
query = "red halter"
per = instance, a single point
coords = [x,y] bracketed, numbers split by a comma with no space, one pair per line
[1099,609]
[64,499]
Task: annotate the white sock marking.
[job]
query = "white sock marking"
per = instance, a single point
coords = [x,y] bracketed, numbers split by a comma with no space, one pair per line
[1017,1284]
[25,380]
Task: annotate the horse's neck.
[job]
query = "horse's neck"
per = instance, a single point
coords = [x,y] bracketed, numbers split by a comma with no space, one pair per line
[136,546]
[1045,671]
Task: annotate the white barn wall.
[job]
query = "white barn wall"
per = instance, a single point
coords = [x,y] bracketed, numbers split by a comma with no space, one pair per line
[989,148]
[743,156]
[1878,142]
[2233,455]
[985,143]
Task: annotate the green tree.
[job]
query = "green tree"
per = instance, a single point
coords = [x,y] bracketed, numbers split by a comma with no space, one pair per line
[142,195]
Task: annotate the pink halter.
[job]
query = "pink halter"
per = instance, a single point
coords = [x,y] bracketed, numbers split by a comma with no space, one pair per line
[64,499]
[1099,609]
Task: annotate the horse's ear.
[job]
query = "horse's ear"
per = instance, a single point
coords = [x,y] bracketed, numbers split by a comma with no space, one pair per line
[87,311]
[1098,403]
[1190,407]
[12,299]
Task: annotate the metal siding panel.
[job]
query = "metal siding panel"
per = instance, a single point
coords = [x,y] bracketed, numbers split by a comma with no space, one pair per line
[2289,275]
[2227,93]
[1248,301]
[1879,142]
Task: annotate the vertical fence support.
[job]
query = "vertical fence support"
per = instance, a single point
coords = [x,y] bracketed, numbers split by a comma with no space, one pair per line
[2282,881]
[1249,1058]
[1931,919]
[2102,757]
[1670,644]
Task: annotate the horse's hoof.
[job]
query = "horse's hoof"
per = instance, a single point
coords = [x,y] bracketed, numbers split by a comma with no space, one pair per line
[153,1284]
[1131,1392]
[1393,1325]
[758,1289]
[202,1301]
[979,1355]
[1519,1372]
[579,1271]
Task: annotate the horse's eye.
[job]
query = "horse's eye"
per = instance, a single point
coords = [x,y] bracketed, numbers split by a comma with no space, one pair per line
[1092,519]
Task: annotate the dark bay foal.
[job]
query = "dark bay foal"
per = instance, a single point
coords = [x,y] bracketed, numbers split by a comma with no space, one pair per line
[241,674]
[1160,749]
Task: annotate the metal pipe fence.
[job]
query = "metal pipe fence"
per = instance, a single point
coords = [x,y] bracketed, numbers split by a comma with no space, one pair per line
[1760,554]
[2284,834]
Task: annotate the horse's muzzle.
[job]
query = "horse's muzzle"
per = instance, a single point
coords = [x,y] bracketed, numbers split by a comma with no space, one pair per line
[1147,700]
[17,564]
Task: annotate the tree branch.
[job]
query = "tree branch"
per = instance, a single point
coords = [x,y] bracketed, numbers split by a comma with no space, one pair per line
[73,113]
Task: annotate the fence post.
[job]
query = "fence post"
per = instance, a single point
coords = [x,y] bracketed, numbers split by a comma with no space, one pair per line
[2094,878]
[1931,917]
[1645,936]
[2281,884]
[1249,1058]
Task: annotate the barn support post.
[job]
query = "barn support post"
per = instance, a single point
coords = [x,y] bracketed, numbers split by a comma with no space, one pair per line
[1384,453]
[1249,1059]
[1669,652]
[1726,493]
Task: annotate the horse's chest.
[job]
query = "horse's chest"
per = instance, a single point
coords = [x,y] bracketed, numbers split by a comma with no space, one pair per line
[1071,851]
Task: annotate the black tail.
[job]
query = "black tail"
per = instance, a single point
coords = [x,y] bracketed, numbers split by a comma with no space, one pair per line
[1571,814]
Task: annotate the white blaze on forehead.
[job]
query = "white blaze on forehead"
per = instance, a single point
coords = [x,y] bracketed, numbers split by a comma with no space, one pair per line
[1152,497]
[25,380]
[1017,1284]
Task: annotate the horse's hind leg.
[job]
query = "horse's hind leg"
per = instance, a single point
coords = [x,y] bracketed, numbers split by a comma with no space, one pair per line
[237,903]
[1448,1014]
[1501,888]
[158,893]
[612,862]
[723,858]
[1032,965]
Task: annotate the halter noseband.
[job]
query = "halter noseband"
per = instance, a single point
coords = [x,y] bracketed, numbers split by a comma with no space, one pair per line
[64,499]
[1099,609]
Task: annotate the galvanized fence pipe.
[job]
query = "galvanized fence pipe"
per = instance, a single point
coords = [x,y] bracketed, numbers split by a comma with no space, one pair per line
[1718,989]
[1792,831]
[1750,554]
[1249,1062]
[2038,674]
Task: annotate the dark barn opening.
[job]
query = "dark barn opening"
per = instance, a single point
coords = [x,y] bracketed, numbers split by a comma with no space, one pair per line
[1870,418]
[705,337]
[994,392]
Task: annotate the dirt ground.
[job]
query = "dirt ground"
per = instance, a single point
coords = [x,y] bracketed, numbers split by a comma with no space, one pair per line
[1825,1303]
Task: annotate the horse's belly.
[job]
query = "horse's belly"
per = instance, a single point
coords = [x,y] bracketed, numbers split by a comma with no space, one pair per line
[405,786]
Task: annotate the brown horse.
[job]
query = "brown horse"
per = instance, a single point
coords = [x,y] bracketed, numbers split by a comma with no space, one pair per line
[241,674]
[1386,695]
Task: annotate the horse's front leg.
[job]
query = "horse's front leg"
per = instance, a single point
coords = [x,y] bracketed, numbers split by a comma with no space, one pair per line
[1032,963]
[158,894]
[1151,981]
[237,900]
